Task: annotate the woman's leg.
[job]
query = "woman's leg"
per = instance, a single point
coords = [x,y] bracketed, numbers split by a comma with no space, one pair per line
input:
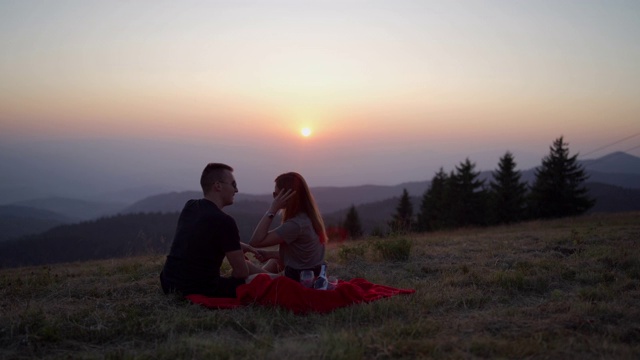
[255,269]
[273,266]
[251,277]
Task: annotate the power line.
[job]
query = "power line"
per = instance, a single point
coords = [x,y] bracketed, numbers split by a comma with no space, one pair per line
[613,143]
[633,148]
[597,161]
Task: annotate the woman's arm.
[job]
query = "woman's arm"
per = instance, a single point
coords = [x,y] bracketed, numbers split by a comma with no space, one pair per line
[248,248]
[264,255]
[262,237]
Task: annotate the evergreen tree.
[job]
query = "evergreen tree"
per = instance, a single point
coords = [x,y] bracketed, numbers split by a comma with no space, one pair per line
[467,196]
[352,223]
[403,218]
[508,193]
[559,189]
[432,214]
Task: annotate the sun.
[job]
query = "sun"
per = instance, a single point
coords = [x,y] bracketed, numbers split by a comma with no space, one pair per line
[306,132]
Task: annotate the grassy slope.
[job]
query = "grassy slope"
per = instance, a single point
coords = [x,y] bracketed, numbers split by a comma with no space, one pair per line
[566,288]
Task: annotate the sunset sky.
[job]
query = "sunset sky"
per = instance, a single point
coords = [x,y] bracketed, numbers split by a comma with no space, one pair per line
[99,96]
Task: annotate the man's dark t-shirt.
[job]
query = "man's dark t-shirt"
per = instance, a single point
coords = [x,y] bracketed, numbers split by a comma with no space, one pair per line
[203,235]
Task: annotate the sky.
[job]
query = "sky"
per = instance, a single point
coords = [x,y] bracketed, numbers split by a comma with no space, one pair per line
[104,96]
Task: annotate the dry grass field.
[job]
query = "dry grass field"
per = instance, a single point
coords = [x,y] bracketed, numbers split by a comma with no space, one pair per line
[559,289]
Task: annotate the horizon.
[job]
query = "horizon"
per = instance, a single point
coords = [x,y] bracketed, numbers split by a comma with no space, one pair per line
[268,193]
[101,98]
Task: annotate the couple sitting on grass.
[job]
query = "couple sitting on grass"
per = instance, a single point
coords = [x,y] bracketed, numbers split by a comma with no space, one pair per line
[205,235]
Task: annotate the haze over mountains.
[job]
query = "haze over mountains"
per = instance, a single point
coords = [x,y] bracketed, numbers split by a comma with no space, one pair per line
[53,230]
[614,181]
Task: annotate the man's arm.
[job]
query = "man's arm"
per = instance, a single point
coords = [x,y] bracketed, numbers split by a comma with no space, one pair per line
[239,268]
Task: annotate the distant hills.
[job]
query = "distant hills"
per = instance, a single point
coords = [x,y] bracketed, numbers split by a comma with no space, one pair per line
[109,237]
[610,198]
[617,163]
[618,170]
[614,182]
[17,221]
[38,215]
[152,232]
[74,209]
[329,198]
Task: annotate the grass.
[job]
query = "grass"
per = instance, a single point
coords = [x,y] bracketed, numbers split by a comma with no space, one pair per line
[566,288]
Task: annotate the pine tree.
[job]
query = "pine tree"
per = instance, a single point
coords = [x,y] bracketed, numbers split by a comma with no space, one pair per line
[403,218]
[352,223]
[467,196]
[508,193]
[559,189]
[432,207]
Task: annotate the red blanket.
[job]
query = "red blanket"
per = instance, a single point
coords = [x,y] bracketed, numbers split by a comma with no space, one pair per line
[291,295]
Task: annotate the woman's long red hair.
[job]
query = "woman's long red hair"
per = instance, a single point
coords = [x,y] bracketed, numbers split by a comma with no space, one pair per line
[303,201]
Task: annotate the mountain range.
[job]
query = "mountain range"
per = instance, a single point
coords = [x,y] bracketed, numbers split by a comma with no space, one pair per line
[54,230]
[614,180]
[609,176]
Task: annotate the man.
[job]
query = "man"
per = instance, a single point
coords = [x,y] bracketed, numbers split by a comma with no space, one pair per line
[205,235]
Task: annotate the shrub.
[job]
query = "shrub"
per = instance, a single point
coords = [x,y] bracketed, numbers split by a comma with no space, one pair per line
[393,249]
[350,253]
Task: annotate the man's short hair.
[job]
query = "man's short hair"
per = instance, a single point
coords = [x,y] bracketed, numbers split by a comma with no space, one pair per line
[212,172]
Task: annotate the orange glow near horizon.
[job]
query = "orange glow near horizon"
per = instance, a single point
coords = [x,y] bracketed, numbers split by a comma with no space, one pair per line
[338,84]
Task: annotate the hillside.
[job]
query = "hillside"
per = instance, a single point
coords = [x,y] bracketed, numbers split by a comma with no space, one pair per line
[128,234]
[109,237]
[334,201]
[76,209]
[617,162]
[17,221]
[617,170]
[375,204]
[561,289]
[610,198]
[336,198]
[329,199]
[105,238]
[375,215]
[169,202]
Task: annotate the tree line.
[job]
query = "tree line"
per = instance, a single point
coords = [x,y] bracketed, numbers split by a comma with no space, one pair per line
[460,198]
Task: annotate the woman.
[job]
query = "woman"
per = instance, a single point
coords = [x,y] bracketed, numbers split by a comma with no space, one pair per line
[301,236]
